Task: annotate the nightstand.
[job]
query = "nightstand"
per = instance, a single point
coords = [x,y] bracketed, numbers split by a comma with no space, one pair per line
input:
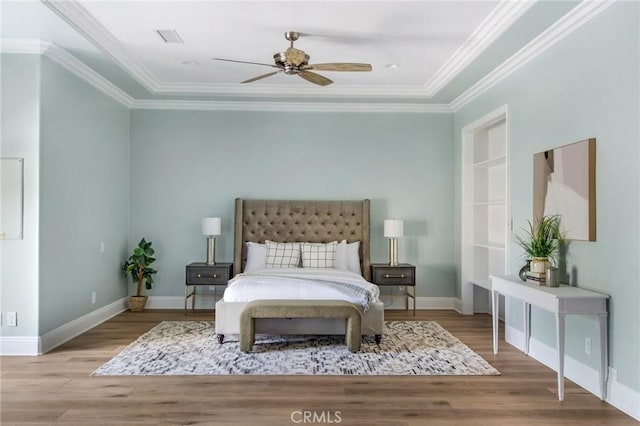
[199,273]
[403,275]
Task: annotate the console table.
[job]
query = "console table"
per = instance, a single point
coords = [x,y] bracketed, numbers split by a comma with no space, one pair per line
[561,301]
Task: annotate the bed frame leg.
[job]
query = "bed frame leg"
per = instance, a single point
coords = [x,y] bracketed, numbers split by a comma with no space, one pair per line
[378,338]
[220,338]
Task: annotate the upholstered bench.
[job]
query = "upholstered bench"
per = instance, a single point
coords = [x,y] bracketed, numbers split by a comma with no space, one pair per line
[300,309]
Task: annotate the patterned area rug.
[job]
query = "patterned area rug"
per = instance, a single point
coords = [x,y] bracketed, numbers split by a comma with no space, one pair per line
[191,348]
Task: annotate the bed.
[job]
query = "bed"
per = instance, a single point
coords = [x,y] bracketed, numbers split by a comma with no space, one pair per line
[295,221]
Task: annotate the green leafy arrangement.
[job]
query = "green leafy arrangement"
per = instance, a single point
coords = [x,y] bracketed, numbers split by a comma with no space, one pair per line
[544,239]
[138,265]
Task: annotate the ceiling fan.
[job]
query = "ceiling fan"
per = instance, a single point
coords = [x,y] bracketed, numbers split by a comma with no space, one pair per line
[296,62]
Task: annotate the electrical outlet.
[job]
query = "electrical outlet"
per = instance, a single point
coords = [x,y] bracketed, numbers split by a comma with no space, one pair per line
[93,297]
[101,247]
[212,287]
[12,319]
[587,345]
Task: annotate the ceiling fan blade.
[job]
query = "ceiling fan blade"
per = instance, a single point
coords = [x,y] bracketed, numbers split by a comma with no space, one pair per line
[340,66]
[245,62]
[260,77]
[315,78]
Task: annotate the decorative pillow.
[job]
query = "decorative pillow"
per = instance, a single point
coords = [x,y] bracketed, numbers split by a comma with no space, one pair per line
[282,255]
[318,255]
[256,254]
[348,257]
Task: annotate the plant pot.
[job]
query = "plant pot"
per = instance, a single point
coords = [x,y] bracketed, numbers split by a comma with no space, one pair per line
[137,303]
[539,264]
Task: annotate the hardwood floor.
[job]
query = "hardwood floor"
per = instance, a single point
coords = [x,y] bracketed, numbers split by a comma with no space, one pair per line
[58,388]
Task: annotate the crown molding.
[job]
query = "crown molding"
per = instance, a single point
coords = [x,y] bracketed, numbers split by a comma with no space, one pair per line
[290,106]
[77,67]
[505,14]
[23,45]
[574,19]
[499,20]
[270,90]
[78,17]
[67,61]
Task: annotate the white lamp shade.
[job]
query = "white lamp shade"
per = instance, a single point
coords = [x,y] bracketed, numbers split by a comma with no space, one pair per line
[393,228]
[211,226]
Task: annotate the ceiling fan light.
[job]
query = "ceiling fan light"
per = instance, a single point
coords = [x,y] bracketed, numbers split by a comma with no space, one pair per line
[296,62]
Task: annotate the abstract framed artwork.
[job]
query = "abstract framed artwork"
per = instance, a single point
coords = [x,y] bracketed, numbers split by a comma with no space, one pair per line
[564,184]
[11,198]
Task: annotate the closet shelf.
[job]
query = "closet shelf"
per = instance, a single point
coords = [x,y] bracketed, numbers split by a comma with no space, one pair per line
[491,162]
[491,246]
[490,203]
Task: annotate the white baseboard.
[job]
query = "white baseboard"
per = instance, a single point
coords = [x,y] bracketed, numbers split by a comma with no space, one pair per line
[622,397]
[457,305]
[435,302]
[19,345]
[68,331]
[618,395]
[514,337]
[177,302]
[396,302]
[37,345]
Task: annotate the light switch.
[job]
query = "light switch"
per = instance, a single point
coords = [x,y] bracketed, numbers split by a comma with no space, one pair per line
[12,319]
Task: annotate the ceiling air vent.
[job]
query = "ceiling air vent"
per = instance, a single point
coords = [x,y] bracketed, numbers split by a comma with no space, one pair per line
[169,36]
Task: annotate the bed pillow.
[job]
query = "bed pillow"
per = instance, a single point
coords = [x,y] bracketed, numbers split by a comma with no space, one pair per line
[348,257]
[318,255]
[256,254]
[282,255]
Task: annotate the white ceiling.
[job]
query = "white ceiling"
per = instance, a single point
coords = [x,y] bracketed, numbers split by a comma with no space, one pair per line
[447,51]
[430,41]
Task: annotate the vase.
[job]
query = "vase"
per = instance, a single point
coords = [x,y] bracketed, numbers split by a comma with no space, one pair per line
[539,264]
[523,271]
[552,277]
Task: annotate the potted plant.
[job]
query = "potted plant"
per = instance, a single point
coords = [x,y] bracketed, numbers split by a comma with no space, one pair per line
[138,266]
[542,242]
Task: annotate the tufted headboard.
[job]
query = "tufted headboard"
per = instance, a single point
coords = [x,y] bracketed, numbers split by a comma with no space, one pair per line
[301,221]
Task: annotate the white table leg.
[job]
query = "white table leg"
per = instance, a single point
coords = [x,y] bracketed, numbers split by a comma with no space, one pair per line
[495,302]
[604,354]
[560,344]
[527,326]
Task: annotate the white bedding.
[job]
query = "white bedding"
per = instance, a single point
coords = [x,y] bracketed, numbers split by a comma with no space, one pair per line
[300,283]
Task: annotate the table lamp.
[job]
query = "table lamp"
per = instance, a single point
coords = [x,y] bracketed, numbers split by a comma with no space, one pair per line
[210,228]
[393,229]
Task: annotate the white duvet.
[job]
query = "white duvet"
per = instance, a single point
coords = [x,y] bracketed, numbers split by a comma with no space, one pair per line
[301,283]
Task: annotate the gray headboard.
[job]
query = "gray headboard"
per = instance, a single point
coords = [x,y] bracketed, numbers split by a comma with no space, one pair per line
[302,221]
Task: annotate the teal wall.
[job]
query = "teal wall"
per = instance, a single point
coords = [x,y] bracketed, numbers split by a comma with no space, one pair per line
[90,163]
[84,197]
[19,127]
[585,86]
[186,165]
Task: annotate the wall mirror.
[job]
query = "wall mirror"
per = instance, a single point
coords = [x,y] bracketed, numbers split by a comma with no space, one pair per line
[564,183]
[11,198]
